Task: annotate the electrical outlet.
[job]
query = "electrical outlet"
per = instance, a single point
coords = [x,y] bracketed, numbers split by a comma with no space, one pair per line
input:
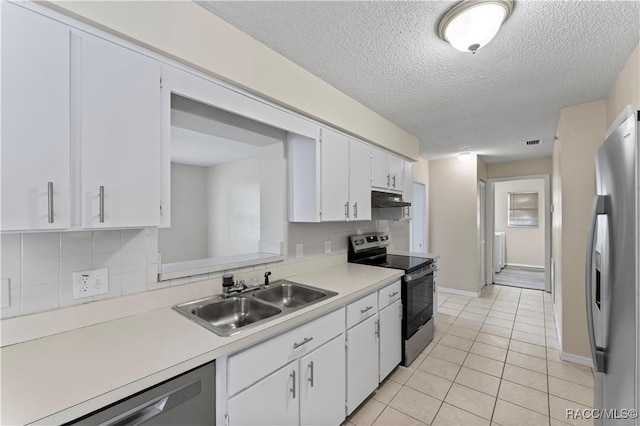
[299,251]
[90,283]
[327,246]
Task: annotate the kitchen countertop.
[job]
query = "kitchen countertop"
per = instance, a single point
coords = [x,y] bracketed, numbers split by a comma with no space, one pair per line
[59,378]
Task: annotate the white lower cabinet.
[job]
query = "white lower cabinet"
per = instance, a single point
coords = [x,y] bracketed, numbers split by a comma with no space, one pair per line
[271,401]
[362,362]
[322,391]
[390,338]
[297,377]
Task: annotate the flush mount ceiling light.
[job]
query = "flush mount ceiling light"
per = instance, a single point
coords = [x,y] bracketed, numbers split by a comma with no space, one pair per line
[471,24]
[464,156]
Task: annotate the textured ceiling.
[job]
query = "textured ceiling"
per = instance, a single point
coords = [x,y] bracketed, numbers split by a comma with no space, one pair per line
[387,55]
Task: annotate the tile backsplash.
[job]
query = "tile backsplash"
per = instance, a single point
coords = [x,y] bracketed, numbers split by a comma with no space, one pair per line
[39,266]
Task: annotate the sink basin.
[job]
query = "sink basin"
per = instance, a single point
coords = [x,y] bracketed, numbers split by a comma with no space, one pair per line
[291,295]
[227,316]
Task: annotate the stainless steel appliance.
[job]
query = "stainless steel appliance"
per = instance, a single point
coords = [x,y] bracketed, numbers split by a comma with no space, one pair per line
[188,399]
[417,288]
[612,274]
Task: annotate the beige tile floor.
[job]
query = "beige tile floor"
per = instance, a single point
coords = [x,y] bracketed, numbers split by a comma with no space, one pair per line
[493,360]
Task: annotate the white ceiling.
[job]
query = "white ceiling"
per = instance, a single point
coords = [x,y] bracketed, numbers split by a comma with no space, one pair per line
[387,55]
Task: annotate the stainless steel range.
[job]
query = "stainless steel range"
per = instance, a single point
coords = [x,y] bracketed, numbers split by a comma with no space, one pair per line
[417,288]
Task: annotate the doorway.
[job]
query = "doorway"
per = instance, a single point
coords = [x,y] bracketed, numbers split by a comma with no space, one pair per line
[519,232]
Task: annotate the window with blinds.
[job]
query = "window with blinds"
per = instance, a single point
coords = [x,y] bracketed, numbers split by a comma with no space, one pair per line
[523,209]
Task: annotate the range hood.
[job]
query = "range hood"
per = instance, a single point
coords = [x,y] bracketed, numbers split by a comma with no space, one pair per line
[386,199]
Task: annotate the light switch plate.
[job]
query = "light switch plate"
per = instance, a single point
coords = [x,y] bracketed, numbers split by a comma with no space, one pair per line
[327,246]
[90,283]
[5,297]
[299,251]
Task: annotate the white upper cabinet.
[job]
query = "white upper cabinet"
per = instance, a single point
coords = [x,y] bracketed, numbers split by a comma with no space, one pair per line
[329,178]
[359,180]
[334,148]
[387,171]
[120,120]
[35,121]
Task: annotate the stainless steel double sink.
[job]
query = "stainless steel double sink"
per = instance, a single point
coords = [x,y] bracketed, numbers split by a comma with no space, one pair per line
[226,316]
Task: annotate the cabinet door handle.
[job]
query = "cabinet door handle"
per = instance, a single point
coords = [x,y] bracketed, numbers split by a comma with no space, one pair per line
[395,293]
[304,342]
[394,181]
[346,210]
[389,179]
[365,310]
[293,383]
[101,204]
[355,210]
[50,201]
[377,329]
[311,376]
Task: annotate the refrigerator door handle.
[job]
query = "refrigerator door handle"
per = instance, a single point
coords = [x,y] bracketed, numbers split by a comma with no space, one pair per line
[599,208]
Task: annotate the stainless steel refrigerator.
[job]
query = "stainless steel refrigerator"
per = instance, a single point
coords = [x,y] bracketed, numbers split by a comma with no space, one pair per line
[612,274]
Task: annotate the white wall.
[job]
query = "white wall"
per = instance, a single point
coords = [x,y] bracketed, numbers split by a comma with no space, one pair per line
[453,227]
[186,239]
[233,198]
[581,130]
[524,246]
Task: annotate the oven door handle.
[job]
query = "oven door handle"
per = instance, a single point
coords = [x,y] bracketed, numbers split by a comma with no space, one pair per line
[409,278]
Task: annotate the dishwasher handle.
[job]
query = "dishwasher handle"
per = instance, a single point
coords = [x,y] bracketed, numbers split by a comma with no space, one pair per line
[145,412]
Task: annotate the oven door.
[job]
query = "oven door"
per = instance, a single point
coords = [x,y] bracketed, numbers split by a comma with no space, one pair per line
[417,298]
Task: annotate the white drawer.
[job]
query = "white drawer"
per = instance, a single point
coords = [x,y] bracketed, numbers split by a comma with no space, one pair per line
[362,309]
[389,294]
[252,364]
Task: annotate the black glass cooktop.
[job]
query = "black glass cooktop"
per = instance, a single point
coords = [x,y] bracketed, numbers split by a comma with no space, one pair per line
[407,263]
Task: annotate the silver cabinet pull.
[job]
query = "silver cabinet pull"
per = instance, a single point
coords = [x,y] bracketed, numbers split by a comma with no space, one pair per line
[50,201]
[304,342]
[394,181]
[365,310]
[346,210]
[293,383]
[310,379]
[395,293]
[389,179]
[355,210]
[377,329]
[101,204]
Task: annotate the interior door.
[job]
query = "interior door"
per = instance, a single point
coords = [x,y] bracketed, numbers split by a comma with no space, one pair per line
[418,222]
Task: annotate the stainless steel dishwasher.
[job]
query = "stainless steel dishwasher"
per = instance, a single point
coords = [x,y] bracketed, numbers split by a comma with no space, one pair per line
[188,399]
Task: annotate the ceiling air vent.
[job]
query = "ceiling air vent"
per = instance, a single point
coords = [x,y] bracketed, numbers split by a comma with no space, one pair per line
[532,142]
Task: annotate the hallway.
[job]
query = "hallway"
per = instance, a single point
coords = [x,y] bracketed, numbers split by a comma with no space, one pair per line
[493,360]
[520,277]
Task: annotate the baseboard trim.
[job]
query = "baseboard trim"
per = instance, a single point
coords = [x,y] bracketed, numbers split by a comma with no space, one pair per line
[519,265]
[576,359]
[458,292]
